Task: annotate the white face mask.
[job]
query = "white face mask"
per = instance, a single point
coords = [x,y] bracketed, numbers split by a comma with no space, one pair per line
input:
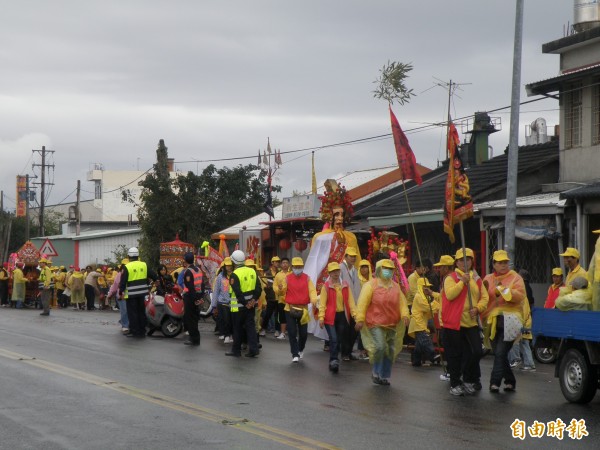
[297,271]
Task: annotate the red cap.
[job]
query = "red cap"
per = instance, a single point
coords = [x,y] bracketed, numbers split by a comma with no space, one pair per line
[71,266]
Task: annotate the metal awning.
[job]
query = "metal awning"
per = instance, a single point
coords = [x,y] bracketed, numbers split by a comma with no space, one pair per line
[544,87]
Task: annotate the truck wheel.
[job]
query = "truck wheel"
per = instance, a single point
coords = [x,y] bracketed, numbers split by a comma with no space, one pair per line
[544,354]
[171,327]
[578,379]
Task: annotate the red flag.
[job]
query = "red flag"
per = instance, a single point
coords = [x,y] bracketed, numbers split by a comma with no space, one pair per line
[405,155]
[458,205]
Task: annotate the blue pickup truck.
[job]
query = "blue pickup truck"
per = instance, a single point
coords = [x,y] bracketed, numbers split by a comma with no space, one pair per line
[577,334]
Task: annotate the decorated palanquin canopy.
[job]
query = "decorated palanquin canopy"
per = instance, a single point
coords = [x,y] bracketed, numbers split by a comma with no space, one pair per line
[29,254]
[171,253]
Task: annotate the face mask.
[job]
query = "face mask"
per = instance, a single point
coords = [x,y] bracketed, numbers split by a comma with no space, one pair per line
[297,271]
[387,273]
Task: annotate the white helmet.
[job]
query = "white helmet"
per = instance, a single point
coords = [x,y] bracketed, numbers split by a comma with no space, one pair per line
[133,252]
[238,258]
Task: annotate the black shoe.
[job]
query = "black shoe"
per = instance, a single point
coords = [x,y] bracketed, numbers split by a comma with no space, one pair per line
[259,345]
[251,354]
[237,355]
[191,343]
[150,332]
[129,335]
[334,366]
[477,385]
[45,314]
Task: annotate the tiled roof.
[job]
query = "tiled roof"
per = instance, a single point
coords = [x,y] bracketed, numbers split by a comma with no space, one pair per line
[487,181]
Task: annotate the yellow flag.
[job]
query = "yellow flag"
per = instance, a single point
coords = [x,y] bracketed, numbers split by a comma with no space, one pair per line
[314,175]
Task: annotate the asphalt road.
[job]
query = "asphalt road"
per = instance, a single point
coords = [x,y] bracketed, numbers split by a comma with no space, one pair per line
[72,381]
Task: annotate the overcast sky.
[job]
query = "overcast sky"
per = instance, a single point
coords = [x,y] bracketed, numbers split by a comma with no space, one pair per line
[103,81]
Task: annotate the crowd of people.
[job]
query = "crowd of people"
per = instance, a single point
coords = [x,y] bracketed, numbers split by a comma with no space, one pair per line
[446,310]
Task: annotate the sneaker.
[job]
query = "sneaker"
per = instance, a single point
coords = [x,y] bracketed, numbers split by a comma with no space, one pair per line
[125,330]
[334,366]
[468,388]
[262,333]
[457,390]
[281,337]
[515,363]
[222,337]
[295,359]
[301,354]
[228,340]
[527,369]
[276,334]
[445,377]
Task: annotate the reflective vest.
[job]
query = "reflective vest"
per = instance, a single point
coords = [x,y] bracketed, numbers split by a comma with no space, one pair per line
[137,278]
[197,274]
[247,278]
[46,279]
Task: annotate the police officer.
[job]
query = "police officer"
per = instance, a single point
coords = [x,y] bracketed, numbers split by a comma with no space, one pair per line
[134,288]
[193,291]
[245,291]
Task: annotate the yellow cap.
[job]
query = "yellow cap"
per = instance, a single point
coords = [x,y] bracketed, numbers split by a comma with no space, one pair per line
[459,253]
[125,261]
[596,231]
[445,260]
[364,262]
[570,251]
[249,263]
[333,266]
[557,271]
[500,255]
[62,267]
[422,281]
[275,259]
[297,261]
[351,251]
[387,263]
[227,261]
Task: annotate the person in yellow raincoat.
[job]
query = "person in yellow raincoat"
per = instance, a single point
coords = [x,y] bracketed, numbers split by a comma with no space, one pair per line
[426,304]
[365,274]
[382,318]
[594,274]
[299,293]
[463,299]
[506,290]
[336,311]
[571,260]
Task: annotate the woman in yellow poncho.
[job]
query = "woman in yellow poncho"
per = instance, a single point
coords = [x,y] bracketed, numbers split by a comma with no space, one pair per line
[382,318]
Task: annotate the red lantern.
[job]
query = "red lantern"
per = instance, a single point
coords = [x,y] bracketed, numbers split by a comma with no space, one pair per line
[285,244]
[300,245]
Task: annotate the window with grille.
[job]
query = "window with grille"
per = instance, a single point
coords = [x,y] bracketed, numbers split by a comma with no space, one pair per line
[98,190]
[596,113]
[573,111]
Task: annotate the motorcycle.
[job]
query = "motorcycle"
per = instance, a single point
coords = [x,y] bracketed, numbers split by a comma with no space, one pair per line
[165,313]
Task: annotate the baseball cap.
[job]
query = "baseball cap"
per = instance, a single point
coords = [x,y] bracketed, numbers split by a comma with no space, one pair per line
[557,271]
[460,255]
[333,266]
[297,261]
[570,251]
[445,260]
[351,251]
[500,255]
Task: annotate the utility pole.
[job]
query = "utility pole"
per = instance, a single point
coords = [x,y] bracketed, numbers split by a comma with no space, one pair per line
[77,221]
[513,146]
[43,184]
[27,207]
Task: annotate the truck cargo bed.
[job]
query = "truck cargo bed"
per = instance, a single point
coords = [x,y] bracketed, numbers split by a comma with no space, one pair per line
[580,325]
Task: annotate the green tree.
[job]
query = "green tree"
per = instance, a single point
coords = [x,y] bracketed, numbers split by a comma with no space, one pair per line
[155,213]
[390,84]
[195,206]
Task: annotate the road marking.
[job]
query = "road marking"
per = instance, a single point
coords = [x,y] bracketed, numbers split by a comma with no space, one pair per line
[258,429]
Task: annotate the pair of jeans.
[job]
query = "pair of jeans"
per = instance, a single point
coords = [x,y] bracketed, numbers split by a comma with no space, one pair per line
[384,340]
[423,348]
[224,320]
[462,349]
[340,336]
[269,311]
[244,325]
[501,369]
[521,350]
[297,334]
[46,295]
[123,311]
